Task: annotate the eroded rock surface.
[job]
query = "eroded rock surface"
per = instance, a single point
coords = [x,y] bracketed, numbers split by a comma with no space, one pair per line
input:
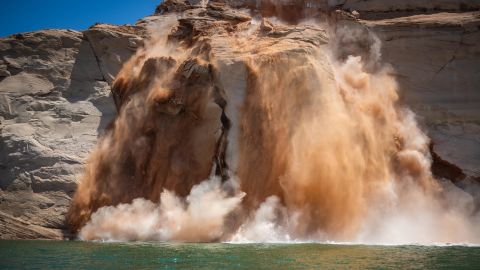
[436,59]
[55,100]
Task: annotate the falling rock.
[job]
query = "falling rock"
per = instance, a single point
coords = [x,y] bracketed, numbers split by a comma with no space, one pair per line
[56,88]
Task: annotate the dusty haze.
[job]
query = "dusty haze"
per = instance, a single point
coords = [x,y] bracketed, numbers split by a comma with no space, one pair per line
[315,146]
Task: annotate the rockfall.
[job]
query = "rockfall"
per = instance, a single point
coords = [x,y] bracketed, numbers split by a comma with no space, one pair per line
[56,97]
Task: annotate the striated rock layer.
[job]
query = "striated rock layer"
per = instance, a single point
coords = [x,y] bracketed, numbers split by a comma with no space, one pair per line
[436,62]
[56,100]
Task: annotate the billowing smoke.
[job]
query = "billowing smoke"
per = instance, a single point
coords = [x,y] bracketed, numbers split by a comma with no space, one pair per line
[315,147]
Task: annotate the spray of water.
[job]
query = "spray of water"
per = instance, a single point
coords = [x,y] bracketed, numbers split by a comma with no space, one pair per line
[316,149]
[175,219]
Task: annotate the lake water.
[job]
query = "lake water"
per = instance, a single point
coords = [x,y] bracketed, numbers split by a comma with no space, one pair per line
[87,255]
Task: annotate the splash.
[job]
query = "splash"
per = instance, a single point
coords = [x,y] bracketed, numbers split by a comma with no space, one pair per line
[310,143]
[175,219]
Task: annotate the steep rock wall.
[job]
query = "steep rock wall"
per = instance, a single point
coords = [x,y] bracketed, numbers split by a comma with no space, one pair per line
[436,59]
[55,95]
[55,101]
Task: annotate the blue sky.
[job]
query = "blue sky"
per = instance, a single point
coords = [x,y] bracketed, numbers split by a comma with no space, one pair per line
[30,15]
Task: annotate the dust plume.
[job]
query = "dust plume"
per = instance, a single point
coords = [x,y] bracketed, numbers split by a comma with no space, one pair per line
[175,219]
[165,135]
[266,225]
[308,144]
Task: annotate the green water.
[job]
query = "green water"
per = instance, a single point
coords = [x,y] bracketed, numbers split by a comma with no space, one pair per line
[85,255]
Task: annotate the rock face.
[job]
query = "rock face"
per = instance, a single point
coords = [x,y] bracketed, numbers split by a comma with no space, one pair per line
[390,8]
[436,59]
[55,100]
[55,97]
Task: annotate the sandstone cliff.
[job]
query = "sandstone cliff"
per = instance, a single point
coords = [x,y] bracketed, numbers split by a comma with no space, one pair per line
[436,57]
[55,88]
[55,101]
